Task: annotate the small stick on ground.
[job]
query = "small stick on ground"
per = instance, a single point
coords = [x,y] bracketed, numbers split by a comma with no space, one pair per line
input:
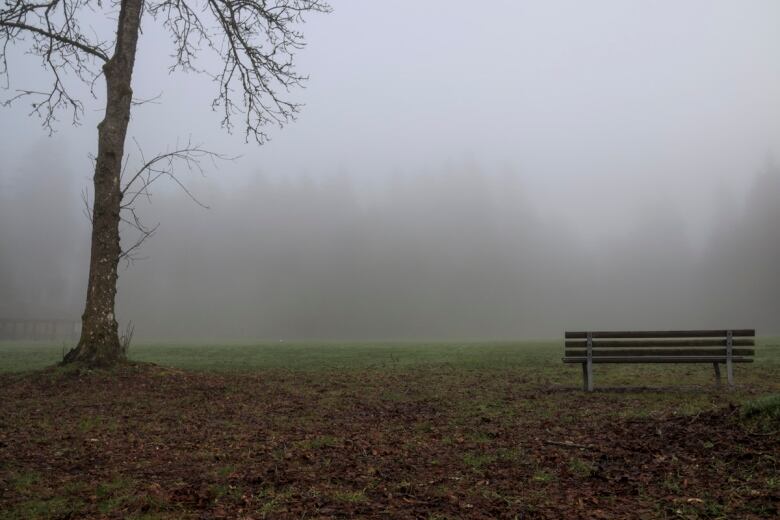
[566,444]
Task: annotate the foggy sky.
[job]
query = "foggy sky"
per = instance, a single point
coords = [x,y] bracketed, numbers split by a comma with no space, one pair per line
[460,170]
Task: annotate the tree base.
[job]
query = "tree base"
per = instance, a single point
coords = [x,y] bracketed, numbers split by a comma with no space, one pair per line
[95,356]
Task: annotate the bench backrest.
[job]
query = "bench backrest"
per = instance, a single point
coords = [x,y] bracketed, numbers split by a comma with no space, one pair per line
[691,345]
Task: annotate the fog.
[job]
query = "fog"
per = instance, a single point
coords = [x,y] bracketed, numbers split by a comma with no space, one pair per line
[458,172]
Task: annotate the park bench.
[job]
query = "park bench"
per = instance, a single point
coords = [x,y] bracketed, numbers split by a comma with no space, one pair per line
[669,346]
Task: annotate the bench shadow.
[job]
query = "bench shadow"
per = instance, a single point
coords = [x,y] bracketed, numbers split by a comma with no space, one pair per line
[643,389]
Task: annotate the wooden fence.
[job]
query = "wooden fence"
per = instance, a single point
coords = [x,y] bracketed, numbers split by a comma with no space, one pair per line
[39,329]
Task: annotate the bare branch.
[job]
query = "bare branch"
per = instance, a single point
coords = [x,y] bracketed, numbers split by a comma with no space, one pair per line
[256,41]
[89,49]
[154,100]
[52,32]
[87,209]
[189,157]
[129,254]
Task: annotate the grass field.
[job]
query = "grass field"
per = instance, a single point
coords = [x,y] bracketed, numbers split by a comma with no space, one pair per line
[455,430]
[526,355]
[308,356]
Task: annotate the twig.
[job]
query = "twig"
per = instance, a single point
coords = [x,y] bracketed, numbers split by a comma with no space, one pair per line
[567,444]
[770,434]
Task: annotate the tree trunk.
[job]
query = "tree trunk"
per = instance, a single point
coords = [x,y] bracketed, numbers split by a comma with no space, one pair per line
[99,343]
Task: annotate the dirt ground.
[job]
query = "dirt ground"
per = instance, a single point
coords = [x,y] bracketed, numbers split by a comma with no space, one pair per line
[148,442]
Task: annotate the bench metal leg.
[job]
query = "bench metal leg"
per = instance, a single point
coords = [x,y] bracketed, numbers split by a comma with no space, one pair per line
[716,366]
[729,353]
[589,342]
[589,365]
[584,377]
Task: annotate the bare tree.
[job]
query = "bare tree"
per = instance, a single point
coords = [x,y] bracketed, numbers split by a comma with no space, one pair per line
[256,41]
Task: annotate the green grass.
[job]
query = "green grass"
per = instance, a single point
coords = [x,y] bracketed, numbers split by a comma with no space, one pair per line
[767,406]
[21,356]
[24,481]
[581,468]
[763,414]
[45,508]
[354,497]
[478,461]
[534,363]
[542,355]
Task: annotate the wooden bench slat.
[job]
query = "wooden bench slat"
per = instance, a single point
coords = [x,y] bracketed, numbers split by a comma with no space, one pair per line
[658,359]
[660,343]
[660,352]
[716,347]
[721,333]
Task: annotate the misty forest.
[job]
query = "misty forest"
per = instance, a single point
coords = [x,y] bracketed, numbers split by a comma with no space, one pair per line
[297,259]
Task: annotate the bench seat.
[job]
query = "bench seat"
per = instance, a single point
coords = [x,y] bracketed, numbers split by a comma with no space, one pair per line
[727,346]
[658,359]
